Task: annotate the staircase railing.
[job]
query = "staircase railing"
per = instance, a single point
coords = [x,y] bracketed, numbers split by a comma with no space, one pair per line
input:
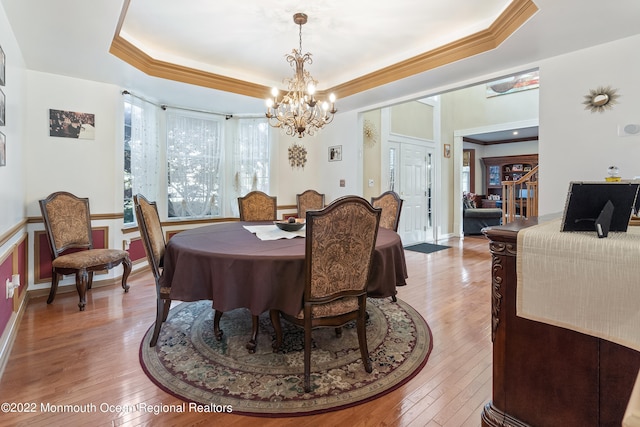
[520,197]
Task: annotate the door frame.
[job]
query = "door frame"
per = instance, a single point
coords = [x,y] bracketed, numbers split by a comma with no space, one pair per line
[386,136]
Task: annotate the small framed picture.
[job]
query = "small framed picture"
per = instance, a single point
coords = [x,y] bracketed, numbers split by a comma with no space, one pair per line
[447,150]
[3,150]
[2,108]
[335,153]
[517,168]
[3,67]
[71,124]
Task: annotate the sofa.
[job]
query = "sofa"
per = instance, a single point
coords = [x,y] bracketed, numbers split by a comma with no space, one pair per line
[474,218]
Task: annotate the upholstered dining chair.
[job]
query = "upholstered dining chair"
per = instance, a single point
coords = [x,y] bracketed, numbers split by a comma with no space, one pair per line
[340,241]
[391,205]
[258,206]
[67,221]
[154,246]
[309,200]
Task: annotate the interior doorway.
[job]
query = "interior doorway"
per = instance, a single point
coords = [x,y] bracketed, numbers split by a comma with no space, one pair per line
[489,150]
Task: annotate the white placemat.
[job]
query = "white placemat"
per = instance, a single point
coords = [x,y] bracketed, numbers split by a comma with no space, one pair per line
[272,232]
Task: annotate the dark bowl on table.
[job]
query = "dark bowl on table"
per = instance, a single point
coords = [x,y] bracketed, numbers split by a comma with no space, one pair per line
[289,226]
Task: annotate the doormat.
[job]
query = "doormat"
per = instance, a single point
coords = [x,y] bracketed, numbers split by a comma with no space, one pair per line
[426,248]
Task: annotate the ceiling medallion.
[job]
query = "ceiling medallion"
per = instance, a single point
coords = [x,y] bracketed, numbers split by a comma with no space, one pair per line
[298,112]
[600,99]
[297,155]
[369,132]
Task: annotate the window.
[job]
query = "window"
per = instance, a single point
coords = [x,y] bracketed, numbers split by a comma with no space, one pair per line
[392,169]
[468,170]
[199,163]
[194,158]
[251,157]
[466,182]
[141,153]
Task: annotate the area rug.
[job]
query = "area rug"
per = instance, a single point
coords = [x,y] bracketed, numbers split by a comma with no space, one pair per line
[426,248]
[189,363]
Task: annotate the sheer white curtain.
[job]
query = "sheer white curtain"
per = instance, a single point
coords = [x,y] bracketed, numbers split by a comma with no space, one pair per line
[194,153]
[142,168]
[251,157]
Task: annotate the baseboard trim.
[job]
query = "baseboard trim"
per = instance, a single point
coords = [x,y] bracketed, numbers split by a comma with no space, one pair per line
[10,333]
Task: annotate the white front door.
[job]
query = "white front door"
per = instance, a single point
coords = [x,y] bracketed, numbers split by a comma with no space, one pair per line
[412,181]
[414,185]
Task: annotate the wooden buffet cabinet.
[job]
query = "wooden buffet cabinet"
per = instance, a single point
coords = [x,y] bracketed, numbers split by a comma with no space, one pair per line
[544,375]
[498,169]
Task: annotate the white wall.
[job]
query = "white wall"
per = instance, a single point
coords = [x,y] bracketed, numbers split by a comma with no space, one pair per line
[291,181]
[346,130]
[576,144]
[470,108]
[12,190]
[86,168]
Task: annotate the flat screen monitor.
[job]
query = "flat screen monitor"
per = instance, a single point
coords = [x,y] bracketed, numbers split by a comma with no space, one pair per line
[587,201]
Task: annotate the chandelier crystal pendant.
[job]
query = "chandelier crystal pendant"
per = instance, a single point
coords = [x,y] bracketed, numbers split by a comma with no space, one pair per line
[298,112]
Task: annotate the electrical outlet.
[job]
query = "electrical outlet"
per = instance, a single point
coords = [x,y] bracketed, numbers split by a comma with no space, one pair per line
[12,284]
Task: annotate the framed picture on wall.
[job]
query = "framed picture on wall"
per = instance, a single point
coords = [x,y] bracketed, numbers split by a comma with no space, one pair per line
[515,83]
[71,124]
[3,67]
[447,150]
[335,153]
[2,108]
[3,150]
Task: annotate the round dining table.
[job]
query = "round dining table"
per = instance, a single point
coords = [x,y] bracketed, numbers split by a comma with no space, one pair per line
[232,267]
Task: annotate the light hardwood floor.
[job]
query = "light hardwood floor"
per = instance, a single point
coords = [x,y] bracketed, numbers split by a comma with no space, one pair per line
[65,357]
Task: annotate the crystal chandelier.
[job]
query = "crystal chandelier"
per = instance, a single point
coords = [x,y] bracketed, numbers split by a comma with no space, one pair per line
[298,112]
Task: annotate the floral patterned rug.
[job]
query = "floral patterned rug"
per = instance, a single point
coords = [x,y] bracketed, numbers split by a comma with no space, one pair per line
[189,363]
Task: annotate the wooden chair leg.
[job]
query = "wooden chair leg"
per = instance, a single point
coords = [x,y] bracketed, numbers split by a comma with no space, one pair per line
[55,279]
[162,311]
[90,280]
[82,278]
[307,359]
[126,264]
[252,344]
[161,306]
[217,332]
[277,328]
[361,326]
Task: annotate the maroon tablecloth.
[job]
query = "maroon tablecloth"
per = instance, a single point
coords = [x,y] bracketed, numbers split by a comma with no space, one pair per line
[232,267]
